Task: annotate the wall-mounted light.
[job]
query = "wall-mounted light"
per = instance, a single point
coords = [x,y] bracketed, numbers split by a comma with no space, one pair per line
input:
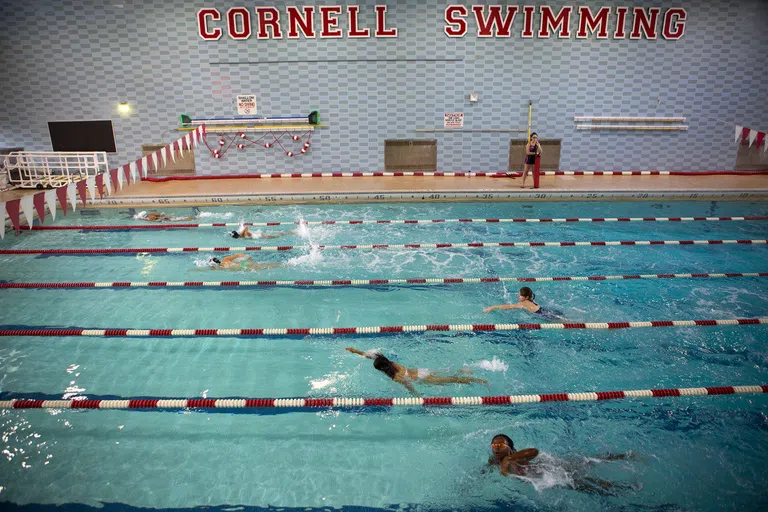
[123,107]
[473,97]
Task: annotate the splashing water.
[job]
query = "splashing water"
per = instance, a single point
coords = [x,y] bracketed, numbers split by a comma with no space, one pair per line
[494,365]
[549,475]
[207,262]
[215,215]
[313,258]
[303,229]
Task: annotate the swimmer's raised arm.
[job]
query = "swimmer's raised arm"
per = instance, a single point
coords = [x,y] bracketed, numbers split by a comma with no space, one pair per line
[368,354]
[233,257]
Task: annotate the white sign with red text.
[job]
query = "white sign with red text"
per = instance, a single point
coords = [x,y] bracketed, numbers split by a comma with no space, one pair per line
[453,120]
[246,104]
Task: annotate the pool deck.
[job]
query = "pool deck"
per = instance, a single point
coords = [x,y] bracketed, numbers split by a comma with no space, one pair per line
[418,188]
[430,188]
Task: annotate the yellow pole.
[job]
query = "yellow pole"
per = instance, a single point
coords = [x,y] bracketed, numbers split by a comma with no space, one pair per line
[530,118]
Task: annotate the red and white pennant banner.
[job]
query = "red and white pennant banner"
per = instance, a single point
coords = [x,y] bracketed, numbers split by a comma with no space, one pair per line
[99,185]
[750,136]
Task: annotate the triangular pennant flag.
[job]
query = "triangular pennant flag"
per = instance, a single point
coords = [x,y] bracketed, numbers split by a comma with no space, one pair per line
[39,201]
[744,135]
[738,132]
[155,157]
[140,167]
[98,180]
[179,149]
[81,187]
[61,193]
[187,141]
[203,131]
[195,137]
[752,136]
[72,188]
[129,170]
[26,209]
[12,207]
[108,181]
[121,177]
[164,153]
[113,178]
[2,221]
[760,137]
[50,201]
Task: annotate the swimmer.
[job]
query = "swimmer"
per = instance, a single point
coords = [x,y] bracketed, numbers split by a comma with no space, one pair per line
[243,232]
[160,217]
[520,463]
[239,262]
[408,376]
[526,298]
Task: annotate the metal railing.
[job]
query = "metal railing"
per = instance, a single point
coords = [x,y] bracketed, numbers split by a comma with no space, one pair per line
[48,169]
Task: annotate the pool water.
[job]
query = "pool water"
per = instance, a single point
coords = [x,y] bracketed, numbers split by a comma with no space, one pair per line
[699,453]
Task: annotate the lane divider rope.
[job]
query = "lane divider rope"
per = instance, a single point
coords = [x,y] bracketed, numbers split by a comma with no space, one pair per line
[470,245]
[369,282]
[460,174]
[391,329]
[338,402]
[392,222]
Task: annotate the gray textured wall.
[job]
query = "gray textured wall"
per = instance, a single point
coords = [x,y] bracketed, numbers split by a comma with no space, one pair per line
[77,59]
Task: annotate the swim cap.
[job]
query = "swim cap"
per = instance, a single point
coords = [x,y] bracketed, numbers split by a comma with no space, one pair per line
[140,215]
[235,234]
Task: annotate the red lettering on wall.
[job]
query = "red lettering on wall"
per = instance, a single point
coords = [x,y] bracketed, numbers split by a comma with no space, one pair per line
[304,23]
[674,23]
[562,20]
[329,16]
[244,21]
[528,25]
[621,20]
[381,21]
[353,30]
[644,21]
[202,24]
[493,26]
[269,17]
[455,24]
[593,23]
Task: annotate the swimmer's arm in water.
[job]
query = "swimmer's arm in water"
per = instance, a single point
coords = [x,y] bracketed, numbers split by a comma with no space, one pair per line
[263,266]
[407,384]
[519,458]
[279,234]
[503,306]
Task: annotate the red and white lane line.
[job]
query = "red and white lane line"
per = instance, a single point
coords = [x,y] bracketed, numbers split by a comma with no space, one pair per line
[390,329]
[470,245]
[368,282]
[337,402]
[460,174]
[394,222]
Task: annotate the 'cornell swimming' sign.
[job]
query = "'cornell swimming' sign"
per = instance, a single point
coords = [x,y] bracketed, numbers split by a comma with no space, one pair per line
[325,21]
